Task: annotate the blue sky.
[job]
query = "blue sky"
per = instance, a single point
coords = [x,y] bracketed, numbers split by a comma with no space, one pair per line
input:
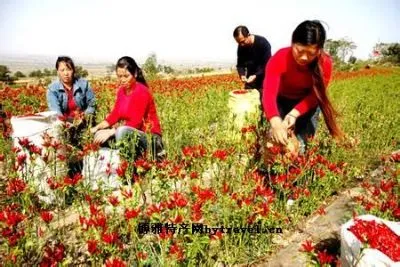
[182,30]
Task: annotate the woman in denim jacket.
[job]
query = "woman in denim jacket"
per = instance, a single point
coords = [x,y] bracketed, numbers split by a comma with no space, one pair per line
[74,101]
[69,94]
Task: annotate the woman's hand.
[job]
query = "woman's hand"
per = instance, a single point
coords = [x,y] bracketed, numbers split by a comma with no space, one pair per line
[251,78]
[102,136]
[290,119]
[102,125]
[279,131]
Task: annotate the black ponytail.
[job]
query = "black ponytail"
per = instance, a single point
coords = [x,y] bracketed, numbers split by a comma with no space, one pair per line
[133,68]
[312,32]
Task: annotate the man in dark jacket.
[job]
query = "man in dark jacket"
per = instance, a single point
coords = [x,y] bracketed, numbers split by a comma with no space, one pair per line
[253,54]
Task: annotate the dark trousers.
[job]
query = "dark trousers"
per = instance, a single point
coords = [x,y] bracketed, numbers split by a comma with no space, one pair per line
[132,143]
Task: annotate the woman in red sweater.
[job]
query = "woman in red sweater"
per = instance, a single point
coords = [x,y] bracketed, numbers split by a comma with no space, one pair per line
[136,107]
[296,79]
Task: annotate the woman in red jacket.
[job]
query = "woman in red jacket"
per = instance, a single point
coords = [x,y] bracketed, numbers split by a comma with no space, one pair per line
[296,79]
[136,107]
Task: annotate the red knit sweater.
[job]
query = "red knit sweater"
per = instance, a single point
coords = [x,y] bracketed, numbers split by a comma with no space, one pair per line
[137,109]
[284,77]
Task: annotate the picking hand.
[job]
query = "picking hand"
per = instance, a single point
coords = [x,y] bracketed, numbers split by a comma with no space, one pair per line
[243,79]
[251,78]
[103,135]
[289,121]
[279,131]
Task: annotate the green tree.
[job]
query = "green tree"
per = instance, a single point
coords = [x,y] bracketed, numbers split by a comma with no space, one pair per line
[340,49]
[390,52]
[203,70]
[19,74]
[352,60]
[36,74]
[5,74]
[168,69]
[160,68]
[46,72]
[332,47]
[81,72]
[150,67]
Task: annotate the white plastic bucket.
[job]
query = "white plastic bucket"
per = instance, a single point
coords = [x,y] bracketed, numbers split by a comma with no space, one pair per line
[244,107]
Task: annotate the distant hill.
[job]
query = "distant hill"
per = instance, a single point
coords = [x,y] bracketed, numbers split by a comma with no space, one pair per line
[28,63]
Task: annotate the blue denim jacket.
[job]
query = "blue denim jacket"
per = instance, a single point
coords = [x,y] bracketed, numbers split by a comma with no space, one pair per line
[57,98]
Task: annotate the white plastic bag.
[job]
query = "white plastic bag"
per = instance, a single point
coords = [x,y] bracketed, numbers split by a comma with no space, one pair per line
[350,249]
[99,169]
[33,127]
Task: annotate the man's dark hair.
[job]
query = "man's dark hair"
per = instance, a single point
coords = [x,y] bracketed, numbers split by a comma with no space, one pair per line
[241,30]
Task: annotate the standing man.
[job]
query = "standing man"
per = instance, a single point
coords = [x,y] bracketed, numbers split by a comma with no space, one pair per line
[253,54]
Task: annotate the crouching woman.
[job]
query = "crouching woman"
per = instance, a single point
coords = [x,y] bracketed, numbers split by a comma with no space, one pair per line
[135,106]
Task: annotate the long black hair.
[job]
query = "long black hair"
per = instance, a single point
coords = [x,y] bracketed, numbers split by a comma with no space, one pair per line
[133,68]
[312,32]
